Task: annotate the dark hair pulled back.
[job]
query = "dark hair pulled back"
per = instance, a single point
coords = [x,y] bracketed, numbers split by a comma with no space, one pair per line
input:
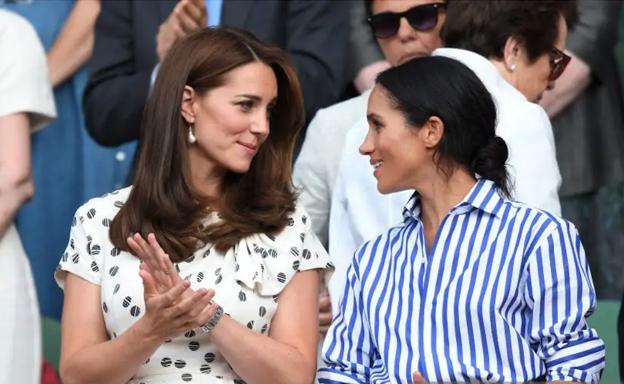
[443,87]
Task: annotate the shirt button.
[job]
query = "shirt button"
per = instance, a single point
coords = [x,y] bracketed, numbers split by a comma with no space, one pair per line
[120,156]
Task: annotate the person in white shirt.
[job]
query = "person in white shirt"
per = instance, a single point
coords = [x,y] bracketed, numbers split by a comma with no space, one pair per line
[26,105]
[516,66]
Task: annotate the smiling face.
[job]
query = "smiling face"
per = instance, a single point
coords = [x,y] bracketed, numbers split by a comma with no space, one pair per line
[399,153]
[408,43]
[231,121]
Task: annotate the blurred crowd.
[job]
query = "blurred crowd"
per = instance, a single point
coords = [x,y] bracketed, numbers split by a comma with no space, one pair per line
[75,77]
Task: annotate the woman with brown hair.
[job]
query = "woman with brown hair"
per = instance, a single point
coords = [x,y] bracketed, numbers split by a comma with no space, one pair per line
[205,269]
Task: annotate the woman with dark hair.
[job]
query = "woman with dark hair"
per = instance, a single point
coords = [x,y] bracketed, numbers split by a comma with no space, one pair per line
[204,270]
[360,213]
[472,286]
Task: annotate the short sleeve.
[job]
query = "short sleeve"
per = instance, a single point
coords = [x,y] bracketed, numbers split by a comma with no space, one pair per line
[24,83]
[313,254]
[82,255]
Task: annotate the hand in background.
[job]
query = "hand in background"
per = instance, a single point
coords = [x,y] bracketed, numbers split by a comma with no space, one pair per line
[187,16]
[325,313]
[417,378]
[365,78]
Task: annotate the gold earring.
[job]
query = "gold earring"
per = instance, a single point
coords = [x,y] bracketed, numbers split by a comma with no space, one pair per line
[191,136]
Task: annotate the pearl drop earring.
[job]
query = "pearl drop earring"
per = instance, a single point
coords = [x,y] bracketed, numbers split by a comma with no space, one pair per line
[191,136]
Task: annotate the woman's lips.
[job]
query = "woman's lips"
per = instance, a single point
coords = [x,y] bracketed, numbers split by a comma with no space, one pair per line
[249,147]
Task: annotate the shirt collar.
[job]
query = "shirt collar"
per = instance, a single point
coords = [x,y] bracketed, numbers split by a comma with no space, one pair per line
[482,196]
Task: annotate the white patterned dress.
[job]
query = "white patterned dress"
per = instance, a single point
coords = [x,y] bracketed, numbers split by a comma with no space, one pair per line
[247,280]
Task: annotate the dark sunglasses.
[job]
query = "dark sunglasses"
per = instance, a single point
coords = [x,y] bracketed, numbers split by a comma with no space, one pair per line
[558,63]
[421,18]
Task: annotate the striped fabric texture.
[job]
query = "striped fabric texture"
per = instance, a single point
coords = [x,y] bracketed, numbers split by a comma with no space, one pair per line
[501,296]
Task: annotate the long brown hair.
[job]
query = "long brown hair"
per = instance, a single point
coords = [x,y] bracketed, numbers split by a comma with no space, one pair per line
[162,200]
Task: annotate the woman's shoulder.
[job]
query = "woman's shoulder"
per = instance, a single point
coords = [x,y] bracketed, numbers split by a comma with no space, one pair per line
[104,207]
[538,223]
[111,200]
[515,112]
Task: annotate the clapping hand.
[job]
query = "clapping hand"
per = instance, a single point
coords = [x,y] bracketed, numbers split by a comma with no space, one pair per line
[155,261]
[172,307]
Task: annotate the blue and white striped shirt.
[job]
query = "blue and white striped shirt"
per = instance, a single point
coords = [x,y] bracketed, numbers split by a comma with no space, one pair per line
[502,296]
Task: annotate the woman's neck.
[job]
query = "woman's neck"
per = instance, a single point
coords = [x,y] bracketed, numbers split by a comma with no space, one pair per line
[206,177]
[440,194]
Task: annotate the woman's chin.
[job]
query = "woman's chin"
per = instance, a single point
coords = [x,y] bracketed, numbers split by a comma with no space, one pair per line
[239,168]
[384,189]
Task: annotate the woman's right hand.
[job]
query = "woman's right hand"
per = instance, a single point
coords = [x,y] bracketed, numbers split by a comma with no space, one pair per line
[170,313]
[154,260]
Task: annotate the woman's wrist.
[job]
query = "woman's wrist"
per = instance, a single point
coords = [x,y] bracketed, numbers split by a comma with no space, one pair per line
[146,334]
[218,330]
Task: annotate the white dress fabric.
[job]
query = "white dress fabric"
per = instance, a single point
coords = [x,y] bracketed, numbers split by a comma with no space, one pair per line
[247,279]
[24,88]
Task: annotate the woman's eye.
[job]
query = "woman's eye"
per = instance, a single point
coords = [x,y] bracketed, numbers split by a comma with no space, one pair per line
[376,125]
[246,105]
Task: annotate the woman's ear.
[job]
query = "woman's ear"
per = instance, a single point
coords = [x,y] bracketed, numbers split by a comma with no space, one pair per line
[432,132]
[188,101]
[512,53]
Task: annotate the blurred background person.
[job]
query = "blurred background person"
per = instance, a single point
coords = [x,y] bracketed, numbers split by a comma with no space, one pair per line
[586,112]
[68,167]
[26,105]
[132,37]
